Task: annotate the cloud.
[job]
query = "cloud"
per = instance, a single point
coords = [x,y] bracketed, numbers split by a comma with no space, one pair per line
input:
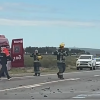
[66,23]
[11,4]
[30,8]
[24,5]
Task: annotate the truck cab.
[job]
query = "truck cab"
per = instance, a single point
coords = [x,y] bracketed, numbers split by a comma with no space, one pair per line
[86,61]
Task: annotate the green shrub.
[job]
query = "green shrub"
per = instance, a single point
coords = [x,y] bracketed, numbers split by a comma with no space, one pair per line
[49,65]
[49,61]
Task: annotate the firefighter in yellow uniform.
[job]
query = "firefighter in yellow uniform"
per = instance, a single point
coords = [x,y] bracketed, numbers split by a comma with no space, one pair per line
[61,57]
[36,56]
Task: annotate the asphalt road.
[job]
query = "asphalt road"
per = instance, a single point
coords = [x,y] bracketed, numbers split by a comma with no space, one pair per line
[75,86]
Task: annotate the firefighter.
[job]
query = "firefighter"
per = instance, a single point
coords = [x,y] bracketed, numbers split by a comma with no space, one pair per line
[36,56]
[61,56]
[4,56]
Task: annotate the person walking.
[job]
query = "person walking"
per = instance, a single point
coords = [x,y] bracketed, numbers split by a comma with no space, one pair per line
[61,57]
[36,56]
[3,61]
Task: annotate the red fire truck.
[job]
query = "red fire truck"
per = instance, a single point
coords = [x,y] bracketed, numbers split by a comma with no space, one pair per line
[16,51]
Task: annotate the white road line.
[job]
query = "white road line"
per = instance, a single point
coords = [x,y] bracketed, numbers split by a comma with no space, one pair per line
[96,75]
[22,77]
[79,97]
[39,84]
[86,95]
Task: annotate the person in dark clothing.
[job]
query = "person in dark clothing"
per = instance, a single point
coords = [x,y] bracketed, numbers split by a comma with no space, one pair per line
[3,62]
[36,56]
[61,56]
[3,74]
[4,50]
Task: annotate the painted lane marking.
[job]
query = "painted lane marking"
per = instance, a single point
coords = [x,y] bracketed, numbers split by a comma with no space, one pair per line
[79,97]
[96,75]
[39,84]
[86,95]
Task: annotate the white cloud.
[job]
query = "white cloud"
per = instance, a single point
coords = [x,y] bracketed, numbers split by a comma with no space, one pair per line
[11,4]
[68,23]
[25,7]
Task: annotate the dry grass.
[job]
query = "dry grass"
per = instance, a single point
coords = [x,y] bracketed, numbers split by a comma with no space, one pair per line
[48,65]
[49,61]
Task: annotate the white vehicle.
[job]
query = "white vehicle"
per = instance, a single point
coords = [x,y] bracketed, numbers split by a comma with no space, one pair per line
[86,61]
[97,62]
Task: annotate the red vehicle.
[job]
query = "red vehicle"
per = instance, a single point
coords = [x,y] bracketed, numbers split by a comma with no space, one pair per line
[17,52]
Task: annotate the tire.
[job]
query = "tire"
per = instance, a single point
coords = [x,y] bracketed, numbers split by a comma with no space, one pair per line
[94,68]
[77,68]
[91,68]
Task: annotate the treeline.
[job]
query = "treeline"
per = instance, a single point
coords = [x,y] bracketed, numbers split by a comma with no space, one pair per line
[51,50]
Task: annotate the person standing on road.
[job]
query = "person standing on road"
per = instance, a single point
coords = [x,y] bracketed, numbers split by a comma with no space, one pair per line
[61,54]
[3,74]
[4,56]
[4,50]
[36,56]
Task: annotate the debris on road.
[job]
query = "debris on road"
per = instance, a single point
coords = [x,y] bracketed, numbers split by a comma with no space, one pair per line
[93,90]
[20,85]
[48,88]
[45,96]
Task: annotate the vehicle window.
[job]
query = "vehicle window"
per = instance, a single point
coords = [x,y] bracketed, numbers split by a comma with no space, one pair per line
[85,57]
[97,60]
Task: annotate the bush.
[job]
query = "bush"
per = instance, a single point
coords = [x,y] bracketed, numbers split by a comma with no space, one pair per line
[49,61]
[49,65]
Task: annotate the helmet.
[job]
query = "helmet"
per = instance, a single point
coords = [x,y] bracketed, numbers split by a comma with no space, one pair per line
[62,45]
[36,51]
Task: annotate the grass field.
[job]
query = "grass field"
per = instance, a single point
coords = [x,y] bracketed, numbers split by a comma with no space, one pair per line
[48,64]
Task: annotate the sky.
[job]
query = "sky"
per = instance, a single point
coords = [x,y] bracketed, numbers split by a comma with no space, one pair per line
[50,22]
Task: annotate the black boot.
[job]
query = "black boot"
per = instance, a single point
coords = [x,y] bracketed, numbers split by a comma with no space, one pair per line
[61,77]
[9,78]
[35,74]
[38,74]
[58,75]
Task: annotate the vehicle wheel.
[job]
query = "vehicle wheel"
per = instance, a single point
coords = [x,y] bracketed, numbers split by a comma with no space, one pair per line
[77,68]
[91,68]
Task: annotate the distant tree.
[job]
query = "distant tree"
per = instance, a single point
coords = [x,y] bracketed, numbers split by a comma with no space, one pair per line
[28,49]
[51,50]
[87,53]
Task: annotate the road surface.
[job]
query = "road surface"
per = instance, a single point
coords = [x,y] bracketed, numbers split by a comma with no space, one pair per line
[75,86]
